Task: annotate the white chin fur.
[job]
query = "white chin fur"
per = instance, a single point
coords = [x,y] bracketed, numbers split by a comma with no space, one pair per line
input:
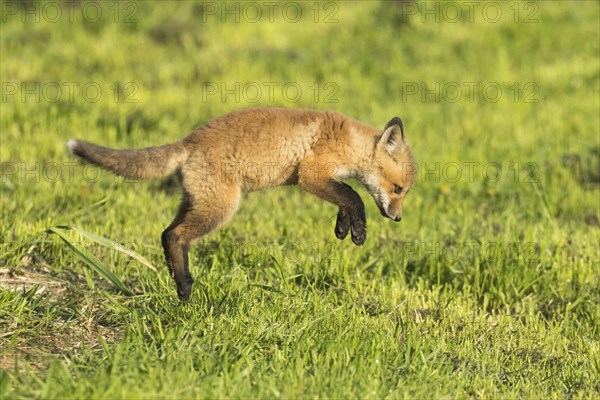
[373,186]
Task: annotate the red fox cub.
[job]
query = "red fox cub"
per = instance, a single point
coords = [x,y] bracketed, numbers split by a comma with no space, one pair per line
[258,148]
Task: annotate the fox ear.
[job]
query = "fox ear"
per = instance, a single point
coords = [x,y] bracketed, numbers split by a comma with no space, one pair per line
[393,135]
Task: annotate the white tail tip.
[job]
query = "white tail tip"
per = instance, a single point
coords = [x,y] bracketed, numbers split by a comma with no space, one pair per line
[71,145]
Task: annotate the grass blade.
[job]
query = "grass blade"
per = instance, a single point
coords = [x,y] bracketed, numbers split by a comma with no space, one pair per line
[115,246]
[89,259]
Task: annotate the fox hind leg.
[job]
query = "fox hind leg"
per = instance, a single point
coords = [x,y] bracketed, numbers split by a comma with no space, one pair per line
[197,215]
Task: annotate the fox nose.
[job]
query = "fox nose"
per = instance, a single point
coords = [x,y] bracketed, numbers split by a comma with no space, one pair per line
[397,218]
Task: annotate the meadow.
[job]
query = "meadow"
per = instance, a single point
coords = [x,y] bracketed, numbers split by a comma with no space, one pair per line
[488,288]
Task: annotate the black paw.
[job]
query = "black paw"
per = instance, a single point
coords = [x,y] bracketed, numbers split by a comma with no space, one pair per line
[184,288]
[342,225]
[359,232]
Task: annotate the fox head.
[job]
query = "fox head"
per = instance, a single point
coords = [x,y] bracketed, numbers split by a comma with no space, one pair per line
[392,171]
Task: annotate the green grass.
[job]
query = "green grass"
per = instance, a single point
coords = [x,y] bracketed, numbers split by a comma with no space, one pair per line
[488,288]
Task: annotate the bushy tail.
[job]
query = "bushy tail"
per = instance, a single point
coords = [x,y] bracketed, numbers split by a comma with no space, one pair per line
[151,162]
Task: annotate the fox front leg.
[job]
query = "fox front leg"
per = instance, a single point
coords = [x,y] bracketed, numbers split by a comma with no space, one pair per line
[346,223]
[347,220]
[354,222]
[352,209]
[358,225]
[342,224]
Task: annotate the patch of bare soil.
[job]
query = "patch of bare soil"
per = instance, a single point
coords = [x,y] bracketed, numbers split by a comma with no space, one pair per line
[62,323]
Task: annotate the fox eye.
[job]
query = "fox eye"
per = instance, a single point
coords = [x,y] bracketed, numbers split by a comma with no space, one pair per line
[397,189]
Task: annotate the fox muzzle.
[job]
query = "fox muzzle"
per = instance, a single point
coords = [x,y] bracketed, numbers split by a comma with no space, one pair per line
[385,213]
